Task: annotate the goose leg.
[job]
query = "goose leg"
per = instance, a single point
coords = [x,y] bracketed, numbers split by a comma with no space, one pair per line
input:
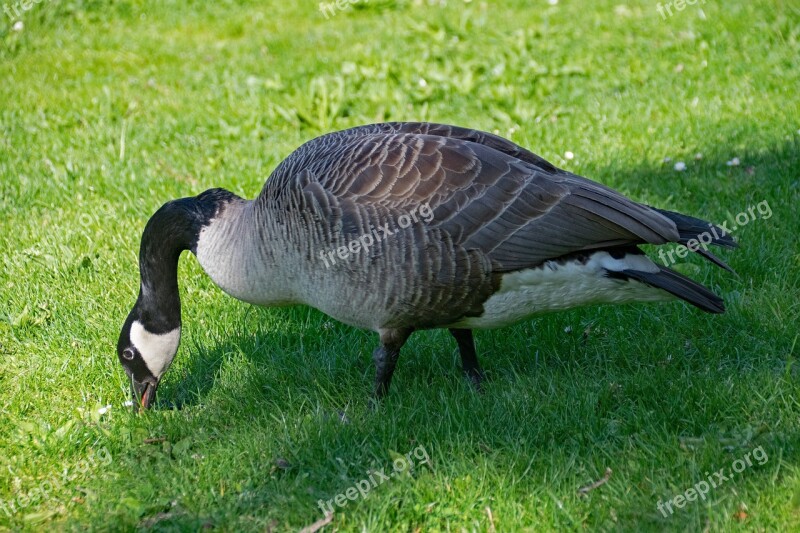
[469,359]
[385,357]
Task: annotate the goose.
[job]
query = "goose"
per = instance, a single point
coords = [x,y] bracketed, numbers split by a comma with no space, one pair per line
[405,226]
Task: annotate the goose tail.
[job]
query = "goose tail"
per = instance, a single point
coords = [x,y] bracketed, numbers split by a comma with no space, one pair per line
[703,233]
[680,286]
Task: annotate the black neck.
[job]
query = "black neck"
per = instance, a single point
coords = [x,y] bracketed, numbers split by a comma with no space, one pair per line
[175,227]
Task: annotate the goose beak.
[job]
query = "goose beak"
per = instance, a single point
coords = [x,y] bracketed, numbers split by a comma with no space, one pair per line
[143,394]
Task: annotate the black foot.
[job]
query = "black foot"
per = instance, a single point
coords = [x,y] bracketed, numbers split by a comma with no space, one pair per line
[469,359]
[386,356]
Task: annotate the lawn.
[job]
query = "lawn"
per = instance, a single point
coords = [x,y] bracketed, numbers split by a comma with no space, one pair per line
[109,109]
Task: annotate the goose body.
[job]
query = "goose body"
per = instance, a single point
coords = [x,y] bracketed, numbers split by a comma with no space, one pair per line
[404,226]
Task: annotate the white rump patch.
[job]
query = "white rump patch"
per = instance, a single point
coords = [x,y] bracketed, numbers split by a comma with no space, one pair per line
[156,349]
[554,286]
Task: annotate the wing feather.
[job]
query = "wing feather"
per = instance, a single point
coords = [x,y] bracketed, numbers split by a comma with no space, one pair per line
[487,194]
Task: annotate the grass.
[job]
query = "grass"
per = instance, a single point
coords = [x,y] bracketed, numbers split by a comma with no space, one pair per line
[108,109]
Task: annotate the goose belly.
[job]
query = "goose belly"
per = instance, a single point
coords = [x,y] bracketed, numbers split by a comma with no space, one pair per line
[556,286]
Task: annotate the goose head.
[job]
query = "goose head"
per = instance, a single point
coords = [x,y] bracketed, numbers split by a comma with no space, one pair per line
[146,351]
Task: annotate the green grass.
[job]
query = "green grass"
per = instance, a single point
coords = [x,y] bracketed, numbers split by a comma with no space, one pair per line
[108,109]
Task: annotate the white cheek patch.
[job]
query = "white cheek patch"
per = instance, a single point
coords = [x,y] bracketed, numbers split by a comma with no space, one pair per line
[156,349]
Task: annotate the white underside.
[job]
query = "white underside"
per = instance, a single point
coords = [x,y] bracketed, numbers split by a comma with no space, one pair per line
[553,287]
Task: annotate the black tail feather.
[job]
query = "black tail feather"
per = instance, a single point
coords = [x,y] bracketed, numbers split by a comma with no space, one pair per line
[680,286]
[714,259]
[691,228]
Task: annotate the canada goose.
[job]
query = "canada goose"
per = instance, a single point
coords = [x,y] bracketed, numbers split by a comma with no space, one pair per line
[404,226]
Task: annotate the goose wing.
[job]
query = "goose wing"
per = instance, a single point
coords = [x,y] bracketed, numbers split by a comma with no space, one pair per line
[484,192]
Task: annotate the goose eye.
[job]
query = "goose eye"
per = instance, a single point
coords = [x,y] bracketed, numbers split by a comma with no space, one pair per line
[128,354]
